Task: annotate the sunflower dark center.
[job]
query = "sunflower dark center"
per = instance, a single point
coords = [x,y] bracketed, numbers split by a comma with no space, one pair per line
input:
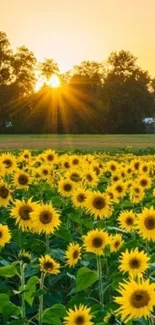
[48,266]
[26,156]
[75,177]
[137,165]
[111,195]
[145,169]
[81,197]
[150,222]
[97,242]
[4,192]
[50,157]
[1,234]
[75,254]
[143,182]
[79,320]
[89,178]
[67,187]
[134,263]
[129,221]
[7,163]
[115,178]
[45,217]
[139,298]
[75,161]
[99,203]
[117,243]
[45,171]
[24,212]
[113,167]
[119,188]
[66,164]
[137,190]
[96,170]
[23,180]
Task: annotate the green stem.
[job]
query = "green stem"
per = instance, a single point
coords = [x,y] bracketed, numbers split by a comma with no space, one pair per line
[22,269]
[41,299]
[99,270]
[47,242]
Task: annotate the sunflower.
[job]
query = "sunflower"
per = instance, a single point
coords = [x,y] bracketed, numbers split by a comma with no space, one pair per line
[25,256]
[78,316]
[25,155]
[65,162]
[50,156]
[110,318]
[45,171]
[113,166]
[75,160]
[144,181]
[136,164]
[5,195]
[79,197]
[73,254]
[9,162]
[146,224]
[74,175]
[45,219]
[66,187]
[22,213]
[95,241]
[137,299]
[48,265]
[90,177]
[144,168]
[112,194]
[136,193]
[126,220]
[134,262]
[5,235]
[115,242]
[98,204]
[120,188]
[21,180]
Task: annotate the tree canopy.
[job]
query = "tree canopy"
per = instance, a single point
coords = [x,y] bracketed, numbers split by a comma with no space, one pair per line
[113,96]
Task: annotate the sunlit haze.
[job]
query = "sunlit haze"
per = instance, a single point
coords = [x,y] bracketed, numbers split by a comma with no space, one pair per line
[70,31]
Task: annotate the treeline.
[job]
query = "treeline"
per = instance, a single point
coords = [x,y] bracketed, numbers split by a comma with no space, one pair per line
[108,97]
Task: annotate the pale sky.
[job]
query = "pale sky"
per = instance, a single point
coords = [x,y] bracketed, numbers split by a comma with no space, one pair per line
[70,31]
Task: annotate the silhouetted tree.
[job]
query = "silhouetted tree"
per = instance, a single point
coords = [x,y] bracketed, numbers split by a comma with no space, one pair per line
[24,70]
[126,95]
[47,68]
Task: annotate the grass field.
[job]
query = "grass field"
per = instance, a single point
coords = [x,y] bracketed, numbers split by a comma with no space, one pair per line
[69,142]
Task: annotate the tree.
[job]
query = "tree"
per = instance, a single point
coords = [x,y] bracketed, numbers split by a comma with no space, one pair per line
[126,95]
[48,68]
[24,70]
[5,59]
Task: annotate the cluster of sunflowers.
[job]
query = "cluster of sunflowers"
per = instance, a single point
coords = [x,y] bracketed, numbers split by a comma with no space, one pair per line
[77,238]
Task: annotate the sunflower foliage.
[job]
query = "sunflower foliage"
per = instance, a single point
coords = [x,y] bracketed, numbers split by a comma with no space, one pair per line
[77,235]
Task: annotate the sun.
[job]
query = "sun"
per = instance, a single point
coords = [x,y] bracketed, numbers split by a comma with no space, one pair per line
[54,81]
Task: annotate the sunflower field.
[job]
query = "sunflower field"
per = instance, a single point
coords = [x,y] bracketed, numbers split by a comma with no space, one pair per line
[77,235]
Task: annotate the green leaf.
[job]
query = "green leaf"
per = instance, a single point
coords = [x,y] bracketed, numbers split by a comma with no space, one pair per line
[30,289]
[52,315]
[63,233]
[39,293]
[10,310]
[8,271]
[85,278]
[4,300]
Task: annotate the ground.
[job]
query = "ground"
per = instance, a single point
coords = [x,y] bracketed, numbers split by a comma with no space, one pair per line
[69,142]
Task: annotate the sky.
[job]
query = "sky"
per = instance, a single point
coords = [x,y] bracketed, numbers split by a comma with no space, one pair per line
[70,31]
